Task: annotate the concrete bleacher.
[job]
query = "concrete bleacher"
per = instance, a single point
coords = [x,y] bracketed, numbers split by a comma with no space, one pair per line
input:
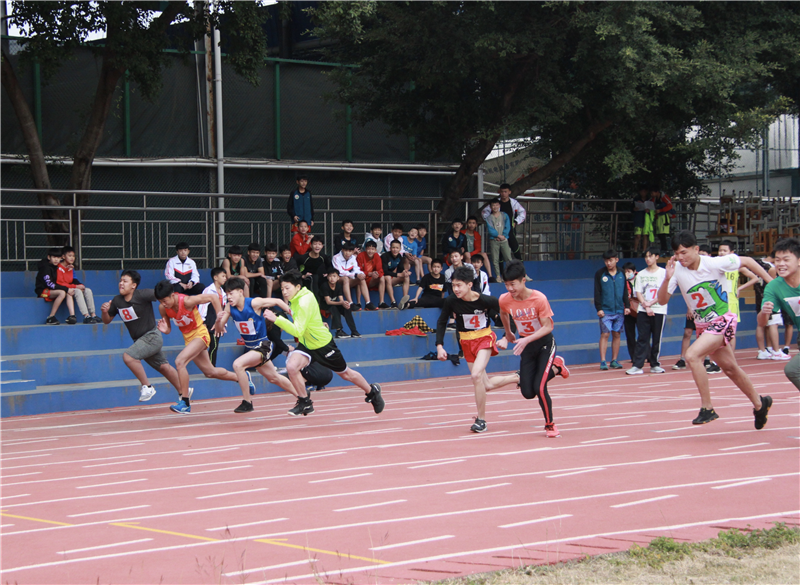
[63,368]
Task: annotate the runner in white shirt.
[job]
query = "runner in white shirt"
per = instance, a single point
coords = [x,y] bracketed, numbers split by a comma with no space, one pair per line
[651,315]
[702,282]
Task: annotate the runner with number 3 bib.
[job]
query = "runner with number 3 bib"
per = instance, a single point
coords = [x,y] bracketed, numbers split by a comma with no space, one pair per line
[703,283]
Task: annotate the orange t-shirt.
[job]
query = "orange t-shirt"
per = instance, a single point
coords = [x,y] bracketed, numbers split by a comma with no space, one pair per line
[527,314]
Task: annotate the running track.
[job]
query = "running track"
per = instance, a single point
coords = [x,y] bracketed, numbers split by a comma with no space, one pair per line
[140,495]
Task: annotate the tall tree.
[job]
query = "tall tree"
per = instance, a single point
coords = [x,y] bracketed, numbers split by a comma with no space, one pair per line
[136,36]
[459,75]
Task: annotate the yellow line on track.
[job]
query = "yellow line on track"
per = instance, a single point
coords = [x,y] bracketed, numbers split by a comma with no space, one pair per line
[122,524]
[35,519]
[326,552]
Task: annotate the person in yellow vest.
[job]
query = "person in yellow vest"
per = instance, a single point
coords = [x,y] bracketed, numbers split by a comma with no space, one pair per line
[734,289]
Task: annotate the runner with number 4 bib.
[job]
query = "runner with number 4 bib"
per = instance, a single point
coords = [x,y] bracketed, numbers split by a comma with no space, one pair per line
[703,283]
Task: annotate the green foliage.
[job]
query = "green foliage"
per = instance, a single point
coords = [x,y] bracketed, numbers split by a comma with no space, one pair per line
[733,542]
[660,550]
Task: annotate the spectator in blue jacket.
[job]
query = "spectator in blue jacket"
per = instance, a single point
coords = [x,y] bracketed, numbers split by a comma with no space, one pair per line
[612,304]
[300,206]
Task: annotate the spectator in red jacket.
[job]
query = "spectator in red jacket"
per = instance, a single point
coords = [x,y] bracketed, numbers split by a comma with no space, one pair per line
[46,287]
[301,241]
[474,245]
[83,295]
[372,265]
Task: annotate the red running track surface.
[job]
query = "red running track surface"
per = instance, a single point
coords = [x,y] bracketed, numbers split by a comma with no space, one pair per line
[142,495]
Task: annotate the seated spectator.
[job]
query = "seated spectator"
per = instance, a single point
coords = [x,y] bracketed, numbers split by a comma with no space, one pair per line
[334,296]
[474,246]
[272,267]
[47,288]
[346,265]
[453,239]
[395,272]
[254,271]
[346,237]
[83,296]
[477,263]
[301,241]
[182,272]
[430,291]
[498,225]
[371,265]
[457,260]
[397,234]
[300,206]
[374,234]
[287,262]
[312,265]
[422,244]
[233,266]
[411,249]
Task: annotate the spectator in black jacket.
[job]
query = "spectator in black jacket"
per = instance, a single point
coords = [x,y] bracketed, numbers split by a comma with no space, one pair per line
[46,287]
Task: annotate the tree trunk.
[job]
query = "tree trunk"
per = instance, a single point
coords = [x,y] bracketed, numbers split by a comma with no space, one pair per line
[469,166]
[56,230]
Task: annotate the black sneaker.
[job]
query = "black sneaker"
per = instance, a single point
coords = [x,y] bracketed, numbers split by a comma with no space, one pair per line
[71,320]
[713,368]
[52,321]
[411,304]
[87,320]
[393,305]
[375,398]
[244,407]
[355,307]
[706,416]
[303,406]
[706,362]
[370,307]
[451,326]
[383,306]
[761,415]
[97,319]
[786,350]
[340,334]
[478,426]
[355,334]
[680,365]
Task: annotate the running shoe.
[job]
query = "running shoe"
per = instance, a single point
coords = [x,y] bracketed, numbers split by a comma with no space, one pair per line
[146,393]
[657,370]
[87,320]
[371,307]
[393,305]
[478,426]
[411,304]
[97,319]
[763,354]
[706,416]
[303,406]
[615,365]
[383,306]
[181,407]
[706,362]
[355,334]
[603,366]
[518,377]
[71,320]
[780,356]
[403,302]
[355,307]
[680,365]
[634,371]
[244,407]
[375,398]
[558,362]
[340,334]
[761,415]
[552,431]
[250,383]
[786,349]
[713,368]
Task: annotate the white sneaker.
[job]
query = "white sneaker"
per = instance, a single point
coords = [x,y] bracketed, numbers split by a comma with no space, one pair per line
[634,370]
[780,356]
[657,370]
[146,393]
[764,355]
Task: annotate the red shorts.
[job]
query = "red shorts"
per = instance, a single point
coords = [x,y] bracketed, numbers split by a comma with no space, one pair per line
[471,347]
[46,296]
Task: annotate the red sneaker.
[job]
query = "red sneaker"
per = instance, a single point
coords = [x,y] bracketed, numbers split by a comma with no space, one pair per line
[240,341]
[552,431]
[559,363]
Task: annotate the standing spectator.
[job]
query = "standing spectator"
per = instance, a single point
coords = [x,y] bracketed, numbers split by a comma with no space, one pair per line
[498,224]
[453,239]
[374,234]
[254,271]
[83,296]
[218,279]
[612,304]
[300,205]
[301,241]
[430,290]
[512,209]
[629,268]
[47,287]
[346,237]
[396,234]
[346,265]
[338,305]
[638,213]
[664,212]
[287,261]
[474,246]
[272,267]
[650,317]
[312,265]
[395,272]
[182,272]
[371,265]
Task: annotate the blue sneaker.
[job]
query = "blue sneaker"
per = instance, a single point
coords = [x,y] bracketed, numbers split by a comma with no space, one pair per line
[250,382]
[603,366]
[615,365]
[181,407]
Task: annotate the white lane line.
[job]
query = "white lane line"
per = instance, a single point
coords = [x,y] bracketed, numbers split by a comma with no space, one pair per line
[483,487]
[437,464]
[627,416]
[737,484]
[604,439]
[83,487]
[412,542]
[210,451]
[22,474]
[5,525]
[114,447]
[231,493]
[370,505]
[26,457]
[246,524]
[576,472]
[338,478]
[77,550]
[108,511]
[14,496]
[536,521]
[637,502]
[318,456]
[292,564]
[115,463]
[426,411]
[220,469]
[743,446]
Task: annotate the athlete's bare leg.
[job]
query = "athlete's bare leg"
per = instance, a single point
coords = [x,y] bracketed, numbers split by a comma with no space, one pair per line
[294,363]
[355,378]
[189,353]
[477,370]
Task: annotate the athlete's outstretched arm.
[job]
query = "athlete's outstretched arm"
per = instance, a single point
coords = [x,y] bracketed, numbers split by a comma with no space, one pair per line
[259,303]
[193,301]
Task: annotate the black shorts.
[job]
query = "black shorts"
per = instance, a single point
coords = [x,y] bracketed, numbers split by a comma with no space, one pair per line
[328,356]
[690,325]
[265,349]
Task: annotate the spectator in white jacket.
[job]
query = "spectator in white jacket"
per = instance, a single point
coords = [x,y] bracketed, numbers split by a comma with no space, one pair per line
[352,276]
[181,271]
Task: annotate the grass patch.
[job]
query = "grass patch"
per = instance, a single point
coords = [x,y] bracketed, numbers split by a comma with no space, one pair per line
[770,555]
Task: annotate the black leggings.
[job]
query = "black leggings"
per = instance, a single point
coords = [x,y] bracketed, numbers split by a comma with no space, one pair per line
[535,371]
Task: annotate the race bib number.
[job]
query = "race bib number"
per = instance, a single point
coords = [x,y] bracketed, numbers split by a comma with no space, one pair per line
[128,314]
[474,321]
[528,327]
[701,299]
[651,294]
[246,327]
[794,303]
